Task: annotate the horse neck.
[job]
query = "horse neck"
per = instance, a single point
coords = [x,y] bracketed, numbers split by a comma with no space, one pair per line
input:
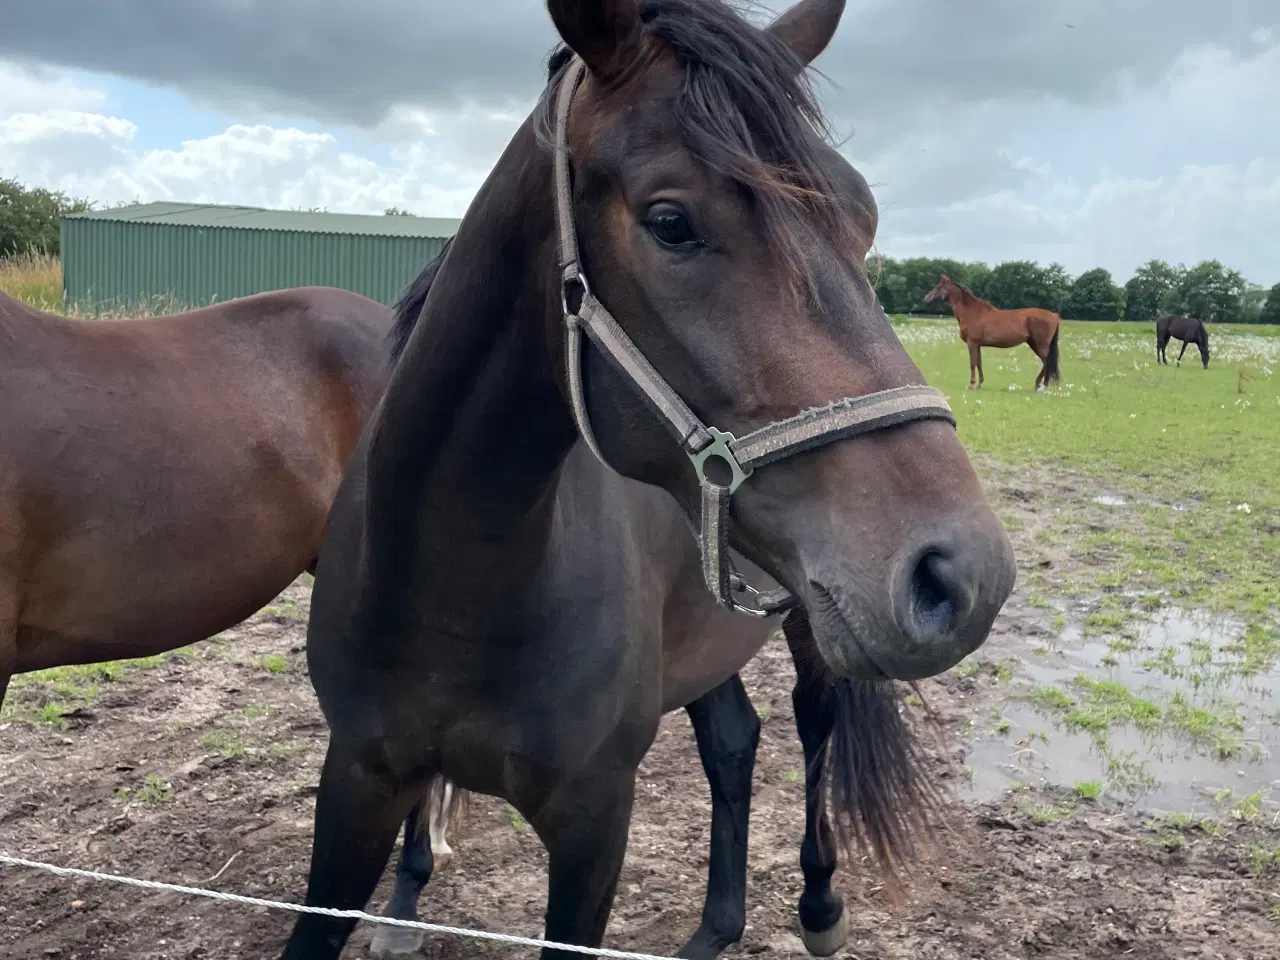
[473,428]
[962,306]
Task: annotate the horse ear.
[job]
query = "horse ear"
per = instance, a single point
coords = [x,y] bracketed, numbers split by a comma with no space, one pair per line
[808,27]
[601,32]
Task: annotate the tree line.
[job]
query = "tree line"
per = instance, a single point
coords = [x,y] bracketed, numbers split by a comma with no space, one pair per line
[29,219]
[1209,290]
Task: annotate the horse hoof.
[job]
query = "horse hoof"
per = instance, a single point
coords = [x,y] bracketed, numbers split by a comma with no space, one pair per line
[827,942]
[395,942]
[440,861]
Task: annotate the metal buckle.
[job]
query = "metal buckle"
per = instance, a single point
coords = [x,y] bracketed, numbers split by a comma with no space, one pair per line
[580,280]
[719,447]
[738,585]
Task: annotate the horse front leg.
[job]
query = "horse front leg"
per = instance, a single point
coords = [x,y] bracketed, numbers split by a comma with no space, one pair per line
[584,824]
[727,731]
[359,807]
[1182,351]
[824,921]
[974,362]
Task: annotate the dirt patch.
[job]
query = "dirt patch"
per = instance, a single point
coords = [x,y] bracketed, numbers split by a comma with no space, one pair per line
[173,771]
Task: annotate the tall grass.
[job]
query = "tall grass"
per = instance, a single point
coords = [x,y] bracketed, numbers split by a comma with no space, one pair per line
[36,279]
[33,278]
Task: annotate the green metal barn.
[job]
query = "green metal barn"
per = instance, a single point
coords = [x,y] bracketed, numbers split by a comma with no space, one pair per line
[192,254]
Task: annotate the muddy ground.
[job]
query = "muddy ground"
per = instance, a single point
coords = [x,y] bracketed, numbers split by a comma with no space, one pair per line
[205,765]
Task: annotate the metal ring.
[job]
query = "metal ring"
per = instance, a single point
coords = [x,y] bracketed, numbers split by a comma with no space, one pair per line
[719,447]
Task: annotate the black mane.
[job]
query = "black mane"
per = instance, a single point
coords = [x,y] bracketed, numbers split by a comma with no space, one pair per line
[409,307]
[747,110]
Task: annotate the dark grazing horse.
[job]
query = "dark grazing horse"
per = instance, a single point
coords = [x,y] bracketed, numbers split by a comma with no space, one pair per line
[1186,329]
[493,603]
[858,757]
[161,479]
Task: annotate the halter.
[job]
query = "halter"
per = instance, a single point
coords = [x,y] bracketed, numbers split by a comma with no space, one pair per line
[776,441]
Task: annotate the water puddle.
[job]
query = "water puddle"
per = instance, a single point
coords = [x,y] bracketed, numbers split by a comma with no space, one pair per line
[1107,500]
[1166,720]
[1115,500]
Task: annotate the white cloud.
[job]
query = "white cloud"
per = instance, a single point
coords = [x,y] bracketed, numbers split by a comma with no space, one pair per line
[1185,170]
[1184,166]
[31,90]
[92,155]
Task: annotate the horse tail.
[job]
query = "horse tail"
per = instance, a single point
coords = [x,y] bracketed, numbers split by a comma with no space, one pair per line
[882,796]
[1051,372]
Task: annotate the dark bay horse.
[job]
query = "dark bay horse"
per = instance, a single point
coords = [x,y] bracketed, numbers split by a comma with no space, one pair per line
[495,605]
[851,734]
[1188,330]
[982,324]
[161,479]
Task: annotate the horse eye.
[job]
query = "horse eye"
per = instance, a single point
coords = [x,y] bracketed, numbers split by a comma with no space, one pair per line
[670,227]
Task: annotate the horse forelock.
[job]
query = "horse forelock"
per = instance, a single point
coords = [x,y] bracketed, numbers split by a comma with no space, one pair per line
[745,108]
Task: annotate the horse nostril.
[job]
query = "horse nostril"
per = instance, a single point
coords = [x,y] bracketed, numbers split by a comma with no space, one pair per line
[935,607]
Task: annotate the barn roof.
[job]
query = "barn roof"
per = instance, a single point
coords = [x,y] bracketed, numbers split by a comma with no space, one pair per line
[260,218]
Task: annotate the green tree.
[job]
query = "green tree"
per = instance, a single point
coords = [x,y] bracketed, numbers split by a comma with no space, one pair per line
[1209,291]
[29,218]
[1058,284]
[886,277]
[1255,295]
[977,277]
[1148,290]
[902,284]
[1024,283]
[1094,296]
[1271,306]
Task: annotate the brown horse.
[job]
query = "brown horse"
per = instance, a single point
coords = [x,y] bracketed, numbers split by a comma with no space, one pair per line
[162,479]
[982,324]
[1187,329]
[650,370]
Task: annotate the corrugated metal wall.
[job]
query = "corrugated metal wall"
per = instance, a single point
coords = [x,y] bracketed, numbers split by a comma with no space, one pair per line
[116,265]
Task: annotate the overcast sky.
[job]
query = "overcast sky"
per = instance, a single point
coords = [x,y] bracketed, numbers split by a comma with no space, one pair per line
[1093,132]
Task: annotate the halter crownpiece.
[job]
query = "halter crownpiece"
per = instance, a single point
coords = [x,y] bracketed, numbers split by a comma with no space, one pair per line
[776,441]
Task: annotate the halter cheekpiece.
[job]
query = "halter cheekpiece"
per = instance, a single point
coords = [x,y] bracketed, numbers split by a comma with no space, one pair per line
[776,441]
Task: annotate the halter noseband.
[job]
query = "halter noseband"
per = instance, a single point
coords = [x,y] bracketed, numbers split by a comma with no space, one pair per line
[776,441]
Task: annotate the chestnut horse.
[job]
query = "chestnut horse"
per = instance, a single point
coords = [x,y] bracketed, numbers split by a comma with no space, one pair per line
[1187,329]
[982,324]
[161,479]
[650,370]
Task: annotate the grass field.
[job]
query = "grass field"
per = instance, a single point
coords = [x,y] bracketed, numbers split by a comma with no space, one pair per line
[1113,742]
[1171,435]
[1143,502]
[1137,494]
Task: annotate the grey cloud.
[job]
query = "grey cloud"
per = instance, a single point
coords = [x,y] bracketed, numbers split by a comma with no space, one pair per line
[349,62]
[334,60]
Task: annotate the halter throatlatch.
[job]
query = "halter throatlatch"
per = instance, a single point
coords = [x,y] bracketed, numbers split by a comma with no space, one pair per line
[776,441]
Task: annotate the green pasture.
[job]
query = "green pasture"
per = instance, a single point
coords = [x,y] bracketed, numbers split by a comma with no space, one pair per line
[1169,431]
[1207,441]
[1153,493]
